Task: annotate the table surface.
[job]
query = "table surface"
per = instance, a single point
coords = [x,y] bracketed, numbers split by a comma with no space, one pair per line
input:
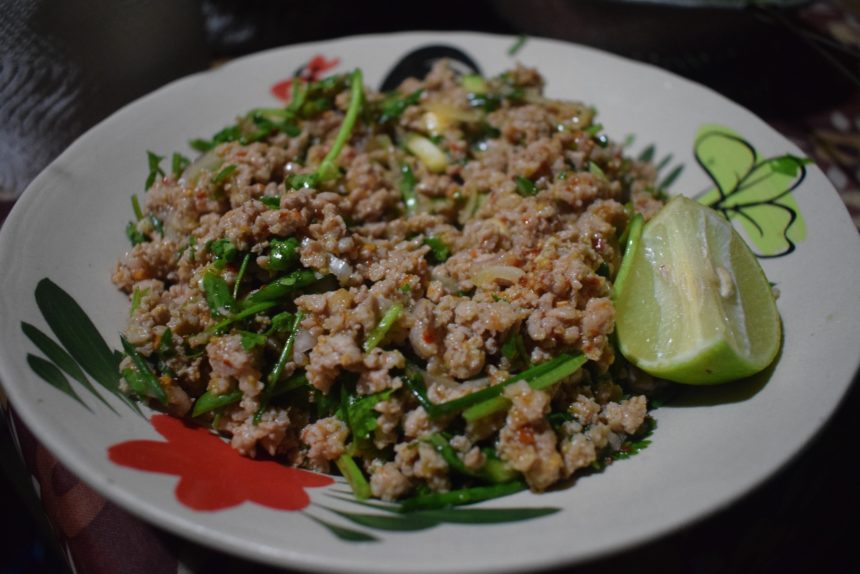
[804,518]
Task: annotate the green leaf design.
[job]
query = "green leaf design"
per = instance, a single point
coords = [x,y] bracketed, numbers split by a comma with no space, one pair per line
[60,358]
[488,515]
[402,520]
[52,375]
[399,522]
[346,534]
[81,347]
[77,334]
[754,193]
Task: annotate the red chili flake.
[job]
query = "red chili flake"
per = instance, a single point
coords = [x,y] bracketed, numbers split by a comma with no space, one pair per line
[526,435]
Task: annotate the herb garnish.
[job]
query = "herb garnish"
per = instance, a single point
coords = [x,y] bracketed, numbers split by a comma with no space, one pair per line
[222,175]
[407,189]
[155,170]
[439,252]
[525,187]
[178,164]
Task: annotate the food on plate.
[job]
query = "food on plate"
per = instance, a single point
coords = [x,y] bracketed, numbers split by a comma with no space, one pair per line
[693,304]
[412,287]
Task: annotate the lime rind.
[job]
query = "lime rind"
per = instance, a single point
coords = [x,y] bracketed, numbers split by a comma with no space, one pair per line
[692,303]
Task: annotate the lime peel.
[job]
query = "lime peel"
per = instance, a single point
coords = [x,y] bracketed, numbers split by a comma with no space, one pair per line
[692,302]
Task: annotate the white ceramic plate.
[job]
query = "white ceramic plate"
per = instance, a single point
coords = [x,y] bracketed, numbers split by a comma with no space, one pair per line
[709,448]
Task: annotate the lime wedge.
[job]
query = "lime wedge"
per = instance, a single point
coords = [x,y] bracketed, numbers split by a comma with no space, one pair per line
[692,304]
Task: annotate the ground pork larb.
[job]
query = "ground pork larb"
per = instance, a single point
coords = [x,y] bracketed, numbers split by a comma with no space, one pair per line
[413,287]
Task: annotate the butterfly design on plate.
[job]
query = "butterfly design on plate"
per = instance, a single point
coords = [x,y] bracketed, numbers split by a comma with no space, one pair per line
[753,192]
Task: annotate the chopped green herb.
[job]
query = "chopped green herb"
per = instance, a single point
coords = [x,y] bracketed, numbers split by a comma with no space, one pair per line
[593,129]
[178,164]
[209,401]
[135,206]
[282,322]
[328,169]
[201,145]
[155,170]
[556,374]
[557,420]
[525,187]
[156,224]
[287,351]
[518,45]
[485,101]
[637,443]
[353,475]
[246,312]
[224,251]
[142,378]
[539,377]
[361,416]
[302,180]
[165,351]
[192,248]
[271,201]
[279,288]
[493,471]
[283,254]
[218,295]
[595,170]
[224,174]
[243,268]
[136,298]
[394,105]
[514,347]
[439,252]
[251,340]
[474,83]
[284,386]
[133,234]
[407,189]
[378,333]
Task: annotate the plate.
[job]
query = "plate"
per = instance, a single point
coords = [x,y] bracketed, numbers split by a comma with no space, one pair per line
[62,317]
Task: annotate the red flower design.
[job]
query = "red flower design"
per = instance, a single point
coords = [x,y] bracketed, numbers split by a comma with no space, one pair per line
[212,476]
[310,72]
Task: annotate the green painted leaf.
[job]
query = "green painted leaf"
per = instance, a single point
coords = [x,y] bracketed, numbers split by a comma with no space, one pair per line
[346,534]
[77,334]
[348,496]
[767,181]
[459,515]
[667,182]
[752,192]
[724,155]
[768,226]
[486,515]
[60,358]
[647,154]
[408,522]
[52,375]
